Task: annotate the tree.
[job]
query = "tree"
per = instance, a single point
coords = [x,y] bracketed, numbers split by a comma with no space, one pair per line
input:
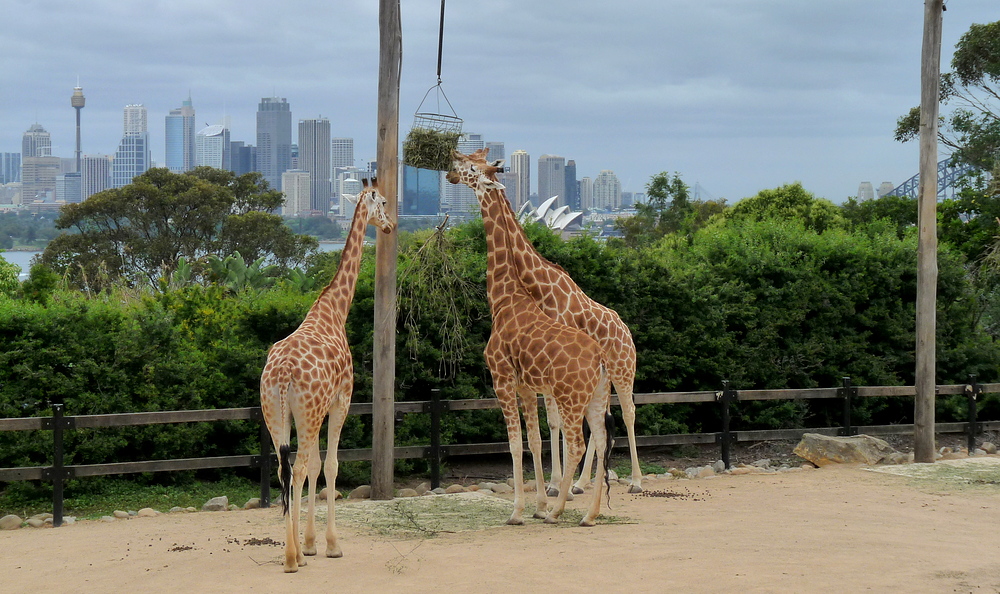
[8,277]
[668,209]
[789,202]
[972,130]
[137,232]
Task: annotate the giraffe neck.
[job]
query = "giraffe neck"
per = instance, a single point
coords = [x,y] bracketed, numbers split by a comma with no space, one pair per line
[502,279]
[333,303]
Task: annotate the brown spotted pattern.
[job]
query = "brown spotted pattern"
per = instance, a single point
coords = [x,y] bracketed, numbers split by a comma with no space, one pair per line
[559,297]
[530,353]
[309,375]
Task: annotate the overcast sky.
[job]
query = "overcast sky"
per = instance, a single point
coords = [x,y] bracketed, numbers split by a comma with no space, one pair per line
[736,96]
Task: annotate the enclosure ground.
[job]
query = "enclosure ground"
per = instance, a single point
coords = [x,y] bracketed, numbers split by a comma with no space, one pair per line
[835,529]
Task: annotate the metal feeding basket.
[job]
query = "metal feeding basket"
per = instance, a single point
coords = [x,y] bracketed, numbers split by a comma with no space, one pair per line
[434,136]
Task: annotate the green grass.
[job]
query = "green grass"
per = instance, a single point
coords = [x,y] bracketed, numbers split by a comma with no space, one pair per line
[95,497]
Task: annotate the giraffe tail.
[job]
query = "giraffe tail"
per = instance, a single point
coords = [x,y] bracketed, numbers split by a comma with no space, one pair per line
[609,430]
[285,448]
[285,476]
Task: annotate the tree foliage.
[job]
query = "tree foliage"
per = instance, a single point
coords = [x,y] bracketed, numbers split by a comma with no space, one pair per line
[138,231]
[790,202]
[668,209]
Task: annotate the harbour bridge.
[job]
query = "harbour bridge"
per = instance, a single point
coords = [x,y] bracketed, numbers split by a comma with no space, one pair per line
[948,177]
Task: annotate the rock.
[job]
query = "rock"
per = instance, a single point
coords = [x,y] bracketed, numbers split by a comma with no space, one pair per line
[486,485]
[612,475]
[719,466]
[190,509]
[762,463]
[989,447]
[322,495]
[177,509]
[979,452]
[43,516]
[69,520]
[502,488]
[741,470]
[35,522]
[456,488]
[422,488]
[121,515]
[107,519]
[677,473]
[408,493]
[233,507]
[10,522]
[529,487]
[823,450]
[216,504]
[252,503]
[148,512]
[705,472]
[362,492]
[438,491]
[474,488]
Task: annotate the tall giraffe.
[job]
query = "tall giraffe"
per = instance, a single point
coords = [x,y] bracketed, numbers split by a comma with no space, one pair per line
[529,353]
[309,375]
[560,298]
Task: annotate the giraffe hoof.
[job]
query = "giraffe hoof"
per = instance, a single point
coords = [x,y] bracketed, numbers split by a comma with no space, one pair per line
[334,553]
[515,522]
[586,523]
[635,488]
[539,515]
[549,519]
[291,568]
[577,491]
[552,492]
[310,552]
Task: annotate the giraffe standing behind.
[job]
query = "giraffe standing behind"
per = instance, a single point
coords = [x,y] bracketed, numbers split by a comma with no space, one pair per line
[309,375]
[561,299]
[529,353]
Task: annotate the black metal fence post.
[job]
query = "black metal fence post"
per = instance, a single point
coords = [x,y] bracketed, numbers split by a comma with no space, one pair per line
[972,392]
[58,469]
[265,464]
[435,438]
[726,437]
[847,392]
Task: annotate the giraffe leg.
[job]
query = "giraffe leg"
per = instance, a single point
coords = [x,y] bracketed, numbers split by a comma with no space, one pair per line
[628,415]
[555,437]
[293,547]
[573,430]
[508,403]
[312,474]
[598,440]
[530,405]
[330,472]
[588,462]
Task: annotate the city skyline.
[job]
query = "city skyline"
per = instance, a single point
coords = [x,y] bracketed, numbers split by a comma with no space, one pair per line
[733,96]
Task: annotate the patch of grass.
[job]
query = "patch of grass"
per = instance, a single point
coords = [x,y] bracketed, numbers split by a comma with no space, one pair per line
[623,467]
[95,497]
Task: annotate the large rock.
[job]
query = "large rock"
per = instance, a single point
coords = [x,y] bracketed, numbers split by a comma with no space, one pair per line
[216,504]
[823,450]
[10,522]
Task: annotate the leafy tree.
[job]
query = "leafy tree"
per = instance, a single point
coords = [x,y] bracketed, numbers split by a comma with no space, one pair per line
[972,129]
[136,232]
[900,210]
[40,284]
[789,202]
[668,209]
[8,277]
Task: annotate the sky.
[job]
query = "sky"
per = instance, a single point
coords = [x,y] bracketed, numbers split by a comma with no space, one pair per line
[733,96]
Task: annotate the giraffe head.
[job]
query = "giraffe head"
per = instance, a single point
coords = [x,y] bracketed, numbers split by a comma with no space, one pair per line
[474,171]
[376,204]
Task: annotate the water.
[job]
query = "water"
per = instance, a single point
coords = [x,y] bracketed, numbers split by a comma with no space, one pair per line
[22,259]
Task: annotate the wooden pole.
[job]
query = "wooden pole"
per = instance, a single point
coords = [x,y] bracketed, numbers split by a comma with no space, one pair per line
[927,271]
[386,246]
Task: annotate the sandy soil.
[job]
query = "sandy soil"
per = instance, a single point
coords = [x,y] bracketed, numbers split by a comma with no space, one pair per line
[836,529]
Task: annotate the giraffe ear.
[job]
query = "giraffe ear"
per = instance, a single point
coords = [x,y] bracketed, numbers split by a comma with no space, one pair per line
[498,164]
[494,185]
[352,198]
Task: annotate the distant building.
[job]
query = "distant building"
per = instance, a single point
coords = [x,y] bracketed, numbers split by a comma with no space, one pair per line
[10,168]
[295,185]
[242,157]
[180,138]
[866,191]
[586,193]
[520,166]
[352,187]
[212,147]
[96,175]
[133,155]
[68,188]
[884,188]
[341,153]
[314,157]
[552,178]
[274,139]
[572,189]
[36,142]
[607,191]
[38,179]
[421,191]
[496,150]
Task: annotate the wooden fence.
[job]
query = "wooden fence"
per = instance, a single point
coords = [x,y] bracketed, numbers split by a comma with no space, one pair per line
[59,423]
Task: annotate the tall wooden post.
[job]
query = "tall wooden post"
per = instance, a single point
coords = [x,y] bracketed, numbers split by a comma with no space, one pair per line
[386,246]
[927,271]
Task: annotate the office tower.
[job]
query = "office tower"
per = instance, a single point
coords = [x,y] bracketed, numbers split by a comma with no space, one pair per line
[180,138]
[314,157]
[78,101]
[274,139]
[351,186]
[552,178]
[520,166]
[460,199]
[242,157]
[586,193]
[607,190]
[884,188]
[36,142]
[10,168]
[496,151]
[295,185]
[866,191]
[211,147]
[628,200]
[572,186]
[96,175]
[132,157]
[421,191]
[68,187]
[341,152]
[38,179]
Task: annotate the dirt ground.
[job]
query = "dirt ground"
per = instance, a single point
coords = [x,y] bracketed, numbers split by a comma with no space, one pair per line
[834,529]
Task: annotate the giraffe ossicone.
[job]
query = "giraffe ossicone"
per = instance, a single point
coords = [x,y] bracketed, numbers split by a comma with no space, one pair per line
[310,375]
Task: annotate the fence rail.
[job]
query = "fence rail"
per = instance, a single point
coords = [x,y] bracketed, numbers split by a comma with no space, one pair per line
[58,423]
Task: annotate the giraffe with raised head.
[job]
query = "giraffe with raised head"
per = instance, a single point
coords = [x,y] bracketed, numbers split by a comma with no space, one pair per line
[530,353]
[309,375]
[559,297]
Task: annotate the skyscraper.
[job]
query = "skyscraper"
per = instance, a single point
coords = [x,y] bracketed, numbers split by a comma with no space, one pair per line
[132,157]
[496,150]
[96,175]
[314,157]
[180,138]
[552,178]
[421,191]
[212,147]
[520,166]
[38,179]
[274,139]
[36,142]
[341,152]
[10,168]
[607,190]
[295,185]
[586,193]
[572,186]
[78,101]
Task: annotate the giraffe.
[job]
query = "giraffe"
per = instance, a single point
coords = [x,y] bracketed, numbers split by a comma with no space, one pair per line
[560,298]
[309,375]
[530,353]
